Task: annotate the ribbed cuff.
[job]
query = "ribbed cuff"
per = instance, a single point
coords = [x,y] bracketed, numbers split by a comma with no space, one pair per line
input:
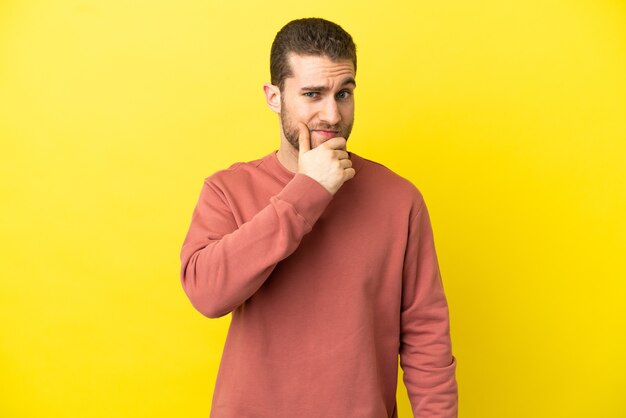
[307,196]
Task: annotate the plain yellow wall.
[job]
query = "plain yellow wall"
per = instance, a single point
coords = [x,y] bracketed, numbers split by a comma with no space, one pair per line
[510,116]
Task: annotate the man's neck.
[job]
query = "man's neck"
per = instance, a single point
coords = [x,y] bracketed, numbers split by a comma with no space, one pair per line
[288,156]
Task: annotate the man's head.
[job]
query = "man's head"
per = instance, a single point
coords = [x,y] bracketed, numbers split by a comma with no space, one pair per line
[313,66]
[310,36]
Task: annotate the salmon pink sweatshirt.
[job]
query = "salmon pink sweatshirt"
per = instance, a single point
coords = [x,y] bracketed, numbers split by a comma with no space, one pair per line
[325,293]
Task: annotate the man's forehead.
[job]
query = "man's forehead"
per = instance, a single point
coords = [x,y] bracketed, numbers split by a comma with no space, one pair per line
[319,67]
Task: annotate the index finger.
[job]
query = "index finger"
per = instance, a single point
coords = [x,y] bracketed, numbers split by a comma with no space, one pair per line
[304,138]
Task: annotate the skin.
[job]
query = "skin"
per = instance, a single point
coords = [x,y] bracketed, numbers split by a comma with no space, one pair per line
[316,109]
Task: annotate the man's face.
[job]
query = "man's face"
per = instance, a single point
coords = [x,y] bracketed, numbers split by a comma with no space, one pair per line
[321,94]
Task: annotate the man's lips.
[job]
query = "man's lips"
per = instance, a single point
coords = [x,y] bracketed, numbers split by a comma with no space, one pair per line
[326,134]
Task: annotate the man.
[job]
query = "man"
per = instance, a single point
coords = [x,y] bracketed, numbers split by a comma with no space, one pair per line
[325,259]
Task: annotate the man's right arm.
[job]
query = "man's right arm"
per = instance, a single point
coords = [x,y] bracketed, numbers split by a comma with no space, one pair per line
[222,265]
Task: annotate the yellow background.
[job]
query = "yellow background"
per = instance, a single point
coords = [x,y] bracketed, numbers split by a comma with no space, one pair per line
[510,116]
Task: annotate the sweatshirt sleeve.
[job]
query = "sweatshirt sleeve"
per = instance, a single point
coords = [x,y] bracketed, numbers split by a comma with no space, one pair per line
[223,264]
[425,347]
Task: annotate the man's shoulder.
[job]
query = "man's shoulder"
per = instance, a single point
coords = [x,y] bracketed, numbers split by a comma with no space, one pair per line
[238,171]
[382,177]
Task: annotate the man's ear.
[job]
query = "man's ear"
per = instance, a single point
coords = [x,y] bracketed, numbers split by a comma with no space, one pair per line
[272,96]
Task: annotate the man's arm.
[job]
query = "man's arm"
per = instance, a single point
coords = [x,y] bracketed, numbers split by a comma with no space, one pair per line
[223,265]
[425,347]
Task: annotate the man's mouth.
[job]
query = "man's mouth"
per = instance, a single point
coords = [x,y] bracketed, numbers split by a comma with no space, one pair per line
[326,134]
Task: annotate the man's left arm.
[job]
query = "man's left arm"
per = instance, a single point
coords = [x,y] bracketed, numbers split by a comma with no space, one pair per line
[425,347]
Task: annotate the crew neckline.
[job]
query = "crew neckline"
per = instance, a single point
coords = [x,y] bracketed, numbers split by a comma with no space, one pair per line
[276,168]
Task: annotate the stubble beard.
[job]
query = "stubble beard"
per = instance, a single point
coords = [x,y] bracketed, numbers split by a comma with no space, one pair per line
[292,133]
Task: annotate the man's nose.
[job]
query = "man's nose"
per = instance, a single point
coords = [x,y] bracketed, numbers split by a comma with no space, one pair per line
[329,113]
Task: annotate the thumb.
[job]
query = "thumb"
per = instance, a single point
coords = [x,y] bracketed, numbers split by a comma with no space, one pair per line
[304,138]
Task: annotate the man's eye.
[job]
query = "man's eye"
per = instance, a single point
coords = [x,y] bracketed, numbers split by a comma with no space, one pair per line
[311,94]
[343,94]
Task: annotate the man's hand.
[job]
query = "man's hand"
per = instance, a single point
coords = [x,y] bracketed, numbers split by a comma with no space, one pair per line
[328,164]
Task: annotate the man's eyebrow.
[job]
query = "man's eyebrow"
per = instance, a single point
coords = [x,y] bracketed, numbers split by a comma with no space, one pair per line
[314,88]
[325,88]
[349,81]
